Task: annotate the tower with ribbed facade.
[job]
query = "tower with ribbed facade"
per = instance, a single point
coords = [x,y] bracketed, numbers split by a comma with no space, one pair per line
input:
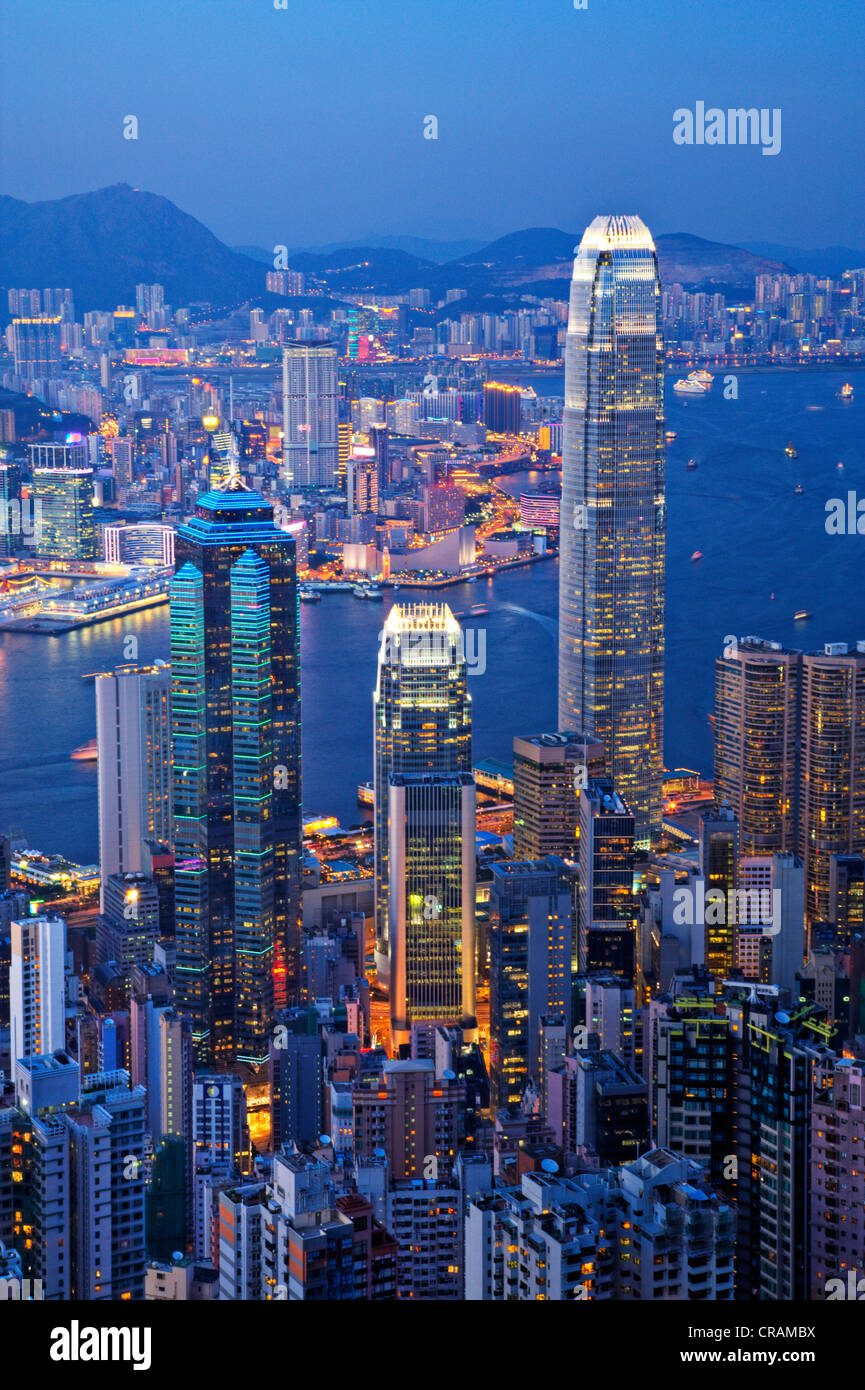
[235,706]
[422,723]
[613,513]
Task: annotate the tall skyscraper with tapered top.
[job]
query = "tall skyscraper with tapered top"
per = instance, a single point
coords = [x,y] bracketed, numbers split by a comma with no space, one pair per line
[235,714]
[613,513]
[422,722]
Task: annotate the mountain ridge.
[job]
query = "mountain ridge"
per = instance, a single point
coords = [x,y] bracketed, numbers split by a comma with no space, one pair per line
[104,242]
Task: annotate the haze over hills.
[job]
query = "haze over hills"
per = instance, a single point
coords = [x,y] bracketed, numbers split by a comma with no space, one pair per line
[428,250]
[826,260]
[103,243]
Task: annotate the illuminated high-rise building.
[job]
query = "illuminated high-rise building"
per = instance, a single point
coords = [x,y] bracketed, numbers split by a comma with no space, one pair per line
[310,445]
[63,500]
[613,512]
[502,408]
[530,935]
[550,770]
[235,711]
[422,722]
[133,739]
[431,901]
[719,860]
[757,687]
[790,754]
[36,346]
[37,1000]
[832,778]
[606,908]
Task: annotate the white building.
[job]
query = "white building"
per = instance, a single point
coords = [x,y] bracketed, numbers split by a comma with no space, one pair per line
[133,737]
[37,1001]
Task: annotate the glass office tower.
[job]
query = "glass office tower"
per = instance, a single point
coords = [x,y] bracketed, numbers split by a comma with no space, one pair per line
[235,708]
[431,873]
[613,515]
[422,721]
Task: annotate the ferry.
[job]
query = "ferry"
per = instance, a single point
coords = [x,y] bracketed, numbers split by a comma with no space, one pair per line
[671,435]
[801,614]
[791,452]
[310,596]
[366,794]
[370,591]
[704,377]
[690,387]
[697,555]
[846,392]
[86,753]
[692,464]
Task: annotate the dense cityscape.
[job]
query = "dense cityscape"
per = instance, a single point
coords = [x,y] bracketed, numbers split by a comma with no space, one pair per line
[576,1023]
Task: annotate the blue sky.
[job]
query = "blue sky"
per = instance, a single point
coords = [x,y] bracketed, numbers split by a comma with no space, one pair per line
[305,124]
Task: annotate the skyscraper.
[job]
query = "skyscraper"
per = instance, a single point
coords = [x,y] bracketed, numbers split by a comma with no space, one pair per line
[310,445]
[37,1003]
[613,513]
[530,932]
[431,901]
[832,781]
[757,687]
[719,860]
[63,489]
[606,906]
[235,710]
[133,737]
[422,722]
[790,753]
[549,772]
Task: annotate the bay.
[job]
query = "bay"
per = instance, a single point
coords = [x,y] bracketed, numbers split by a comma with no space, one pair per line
[758,538]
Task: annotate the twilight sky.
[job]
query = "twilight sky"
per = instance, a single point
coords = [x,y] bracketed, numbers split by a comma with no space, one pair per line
[305,124]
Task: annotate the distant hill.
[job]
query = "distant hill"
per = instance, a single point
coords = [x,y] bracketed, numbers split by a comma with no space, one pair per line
[827,260]
[102,244]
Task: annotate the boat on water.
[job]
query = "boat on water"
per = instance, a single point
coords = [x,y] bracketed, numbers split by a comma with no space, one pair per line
[671,435]
[702,376]
[840,466]
[689,386]
[366,794]
[791,452]
[368,591]
[798,489]
[310,596]
[86,753]
[697,555]
[800,614]
[692,464]
[846,392]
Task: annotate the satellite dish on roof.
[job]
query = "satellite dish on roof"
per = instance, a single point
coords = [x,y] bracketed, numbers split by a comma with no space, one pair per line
[379,1153]
[782,1018]
[324,1139]
[177,1256]
[449,1075]
[549,1165]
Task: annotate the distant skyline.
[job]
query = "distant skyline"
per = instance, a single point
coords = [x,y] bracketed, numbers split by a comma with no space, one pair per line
[302,125]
